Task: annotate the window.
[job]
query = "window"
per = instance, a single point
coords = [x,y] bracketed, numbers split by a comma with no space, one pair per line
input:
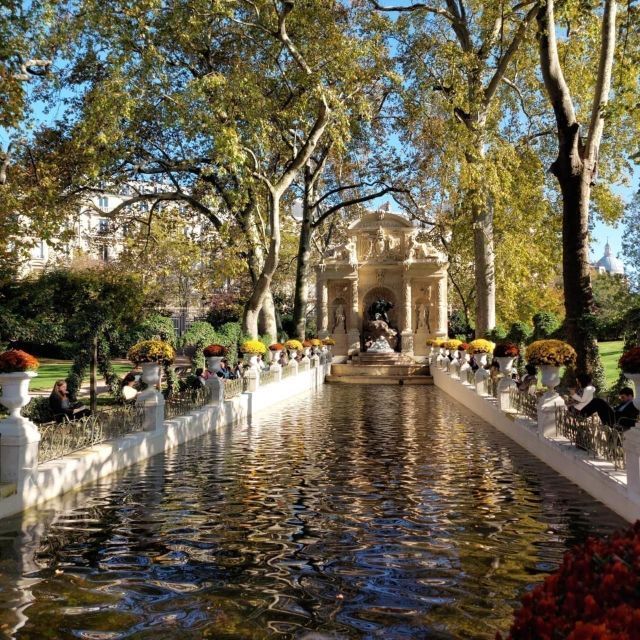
[103,202]
[103,225]
[41,250]
[104,252]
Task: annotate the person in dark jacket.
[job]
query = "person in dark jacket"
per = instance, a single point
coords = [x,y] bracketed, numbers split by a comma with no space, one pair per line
[62,407]
[623,416]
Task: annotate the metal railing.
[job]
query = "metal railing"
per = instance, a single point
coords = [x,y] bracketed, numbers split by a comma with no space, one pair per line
[525,404]
[587,433]
[233,388]
[288,371]
[63,438]
[269,377]
[181,403]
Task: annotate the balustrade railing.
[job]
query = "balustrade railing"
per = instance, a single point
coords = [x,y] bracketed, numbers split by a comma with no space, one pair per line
[525,404]
[492,387]
[288,371]
[587,433]
[471,376]
[179,404]
[60,439]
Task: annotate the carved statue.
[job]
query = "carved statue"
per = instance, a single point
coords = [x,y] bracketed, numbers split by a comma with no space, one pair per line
[424,318]
[346,252]
[339,319]
[416,250]
[379,310]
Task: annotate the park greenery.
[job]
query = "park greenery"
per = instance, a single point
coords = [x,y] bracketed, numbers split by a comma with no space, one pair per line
[503,129]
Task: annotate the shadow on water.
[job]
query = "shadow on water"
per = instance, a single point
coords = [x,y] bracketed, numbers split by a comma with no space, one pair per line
[358,512]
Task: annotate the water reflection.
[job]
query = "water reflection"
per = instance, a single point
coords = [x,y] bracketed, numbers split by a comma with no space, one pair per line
[362,512]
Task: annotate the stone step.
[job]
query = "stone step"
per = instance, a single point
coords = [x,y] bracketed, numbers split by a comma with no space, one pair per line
[360,369]
[368,379]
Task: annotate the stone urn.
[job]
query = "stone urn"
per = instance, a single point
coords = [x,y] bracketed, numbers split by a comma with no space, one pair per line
[293,354]
[481,379]
[15,392]
[151,377]
[506,363]
[454,368]
[550,376]
[635,378]
[213,363]
[481,359]
[252,361]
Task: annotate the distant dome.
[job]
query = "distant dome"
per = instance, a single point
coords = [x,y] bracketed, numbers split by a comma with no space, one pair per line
[610,264]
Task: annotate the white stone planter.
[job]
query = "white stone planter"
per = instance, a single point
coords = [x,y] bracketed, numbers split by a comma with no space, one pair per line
[274,356]
[15,391]
[251,359]
[505,363]
[550,376]
[151,377]
[635,378]
[293,354]
[213,363]
[481,359]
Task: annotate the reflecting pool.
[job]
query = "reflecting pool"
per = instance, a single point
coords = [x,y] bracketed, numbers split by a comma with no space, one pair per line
[355,512]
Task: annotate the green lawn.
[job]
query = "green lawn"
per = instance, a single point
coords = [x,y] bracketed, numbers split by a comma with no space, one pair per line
[52,370]
[610,353]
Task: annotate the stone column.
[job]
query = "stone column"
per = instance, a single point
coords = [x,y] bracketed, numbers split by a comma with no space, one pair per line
[353,335]
[323,307]
[407,333]
[443,328]
[215,385]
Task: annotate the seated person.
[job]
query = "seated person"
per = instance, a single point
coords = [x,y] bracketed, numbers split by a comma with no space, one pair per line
[623,416]
[128,389]
[529,382]
[199,379]
[61,406]
[584,394]
[224,371]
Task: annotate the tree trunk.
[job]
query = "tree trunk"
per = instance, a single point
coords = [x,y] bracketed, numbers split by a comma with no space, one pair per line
[267,324]
[93,400]
[483,245]
[301,298]
[263,283]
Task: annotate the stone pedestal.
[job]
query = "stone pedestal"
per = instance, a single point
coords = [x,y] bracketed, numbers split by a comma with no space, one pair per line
[505,385]
[252,376]
[406,341]
[632,460]
[215,385]
[481,380]
[353,342]
[18,450]
[454,369]
[548,404]
[153,403]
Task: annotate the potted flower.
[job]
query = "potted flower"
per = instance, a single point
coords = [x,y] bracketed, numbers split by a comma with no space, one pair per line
[327,343]
[150,355]
[505,353]
[214,354]
[293,346]
[550,355]
[595,593]
[274,351]
[252,350]
[630,364]
[16,370]
[306,348]
[481,348]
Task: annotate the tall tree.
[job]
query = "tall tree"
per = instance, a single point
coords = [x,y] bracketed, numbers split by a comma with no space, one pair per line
[463,50]
[575,169]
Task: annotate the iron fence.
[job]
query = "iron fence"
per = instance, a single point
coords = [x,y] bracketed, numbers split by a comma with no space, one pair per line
[598,440]
[233,388]
[60,439]
[269,377]
[525,404]
[183,402]
[289,371]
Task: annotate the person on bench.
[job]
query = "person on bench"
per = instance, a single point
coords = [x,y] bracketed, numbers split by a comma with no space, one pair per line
[61,406]
[623,416]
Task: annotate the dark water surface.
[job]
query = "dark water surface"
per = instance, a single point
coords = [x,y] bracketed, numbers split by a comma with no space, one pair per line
[357,512]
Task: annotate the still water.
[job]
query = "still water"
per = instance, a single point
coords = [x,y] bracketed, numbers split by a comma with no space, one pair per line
[357,512]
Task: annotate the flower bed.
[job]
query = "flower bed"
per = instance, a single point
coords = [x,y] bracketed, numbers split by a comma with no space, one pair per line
[152,351]
[307,344]
[452,345]
[329,342]
[214,351]
[464,346]
[481,346]
[294,345]
[434,342]
[315,342]
[630,361]
[506,350]
[594,595]
[276,346]
[253,347]
[16,361]
[551,352]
